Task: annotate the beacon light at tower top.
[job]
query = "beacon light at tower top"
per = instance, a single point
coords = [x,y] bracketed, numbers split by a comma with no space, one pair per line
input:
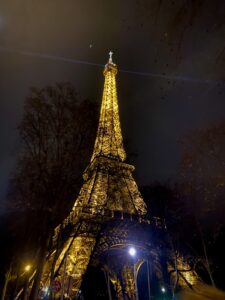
[110,57]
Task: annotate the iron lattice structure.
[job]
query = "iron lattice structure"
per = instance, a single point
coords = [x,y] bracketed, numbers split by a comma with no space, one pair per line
[107,217]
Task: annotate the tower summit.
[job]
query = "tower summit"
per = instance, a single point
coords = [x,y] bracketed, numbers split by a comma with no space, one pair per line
[109,141]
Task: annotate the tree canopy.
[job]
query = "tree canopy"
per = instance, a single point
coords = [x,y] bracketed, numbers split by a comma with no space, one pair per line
[57,135]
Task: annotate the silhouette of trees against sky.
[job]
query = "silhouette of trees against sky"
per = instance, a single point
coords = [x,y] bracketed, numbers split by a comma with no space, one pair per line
[194,207]
[202,186]
[164,202]
[57,133]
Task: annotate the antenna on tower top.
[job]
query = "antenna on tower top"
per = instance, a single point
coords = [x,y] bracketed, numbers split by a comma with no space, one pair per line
[110,57]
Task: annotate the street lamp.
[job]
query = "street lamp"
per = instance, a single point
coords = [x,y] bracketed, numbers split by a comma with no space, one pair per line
[132,251]
[163,290]
[27,268]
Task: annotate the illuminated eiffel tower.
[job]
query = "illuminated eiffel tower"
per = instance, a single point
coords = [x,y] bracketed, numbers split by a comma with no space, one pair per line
[108,216]
[109,200]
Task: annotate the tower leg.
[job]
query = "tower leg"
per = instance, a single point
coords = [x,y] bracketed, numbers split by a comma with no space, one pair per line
[71,265]
[77,261]
[123,275]
[129,282]
[117,286]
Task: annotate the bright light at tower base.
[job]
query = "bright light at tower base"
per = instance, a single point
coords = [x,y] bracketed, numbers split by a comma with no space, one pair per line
[132,251]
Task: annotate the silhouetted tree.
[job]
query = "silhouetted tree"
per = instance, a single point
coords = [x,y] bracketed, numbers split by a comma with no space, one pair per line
[57,135]
[202,186]
[165,202]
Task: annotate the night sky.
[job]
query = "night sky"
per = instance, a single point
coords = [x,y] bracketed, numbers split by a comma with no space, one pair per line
[172,60]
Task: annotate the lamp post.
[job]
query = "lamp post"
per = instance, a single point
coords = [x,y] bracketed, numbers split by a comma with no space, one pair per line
[132,252]
[27,269]
[163,290]
[148,277]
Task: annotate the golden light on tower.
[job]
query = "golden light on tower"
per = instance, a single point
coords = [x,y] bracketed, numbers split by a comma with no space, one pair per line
[116,189]
[108,189]
[109,141]
[109,203]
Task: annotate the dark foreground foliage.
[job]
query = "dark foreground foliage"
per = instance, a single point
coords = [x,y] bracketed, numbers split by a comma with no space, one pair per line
[57,134]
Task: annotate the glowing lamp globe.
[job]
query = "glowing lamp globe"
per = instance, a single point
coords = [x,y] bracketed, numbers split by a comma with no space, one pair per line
[27,268]
[132,251]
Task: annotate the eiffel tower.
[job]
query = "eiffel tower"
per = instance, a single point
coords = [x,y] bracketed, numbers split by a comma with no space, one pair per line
[107,219]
